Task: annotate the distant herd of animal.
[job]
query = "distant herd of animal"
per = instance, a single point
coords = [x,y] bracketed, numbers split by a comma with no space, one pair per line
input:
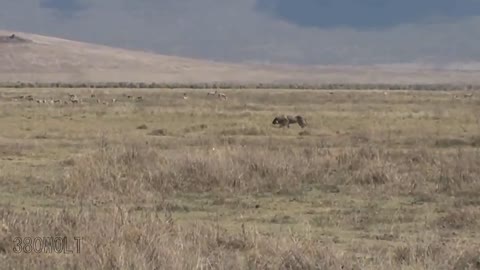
[73,99]
[280,120]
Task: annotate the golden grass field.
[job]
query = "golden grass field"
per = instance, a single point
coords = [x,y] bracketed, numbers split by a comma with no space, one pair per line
[375,181]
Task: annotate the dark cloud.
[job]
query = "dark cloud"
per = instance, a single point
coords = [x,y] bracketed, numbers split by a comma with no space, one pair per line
[367,14]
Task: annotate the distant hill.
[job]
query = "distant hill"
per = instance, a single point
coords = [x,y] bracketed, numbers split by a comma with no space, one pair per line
[34,58]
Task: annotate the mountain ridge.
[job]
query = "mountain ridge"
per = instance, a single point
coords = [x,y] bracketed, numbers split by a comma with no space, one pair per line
[38,58]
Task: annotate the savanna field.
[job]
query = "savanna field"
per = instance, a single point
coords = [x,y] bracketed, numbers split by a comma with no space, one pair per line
[377,180]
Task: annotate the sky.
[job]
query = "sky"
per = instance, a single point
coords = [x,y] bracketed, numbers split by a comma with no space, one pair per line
[265,31]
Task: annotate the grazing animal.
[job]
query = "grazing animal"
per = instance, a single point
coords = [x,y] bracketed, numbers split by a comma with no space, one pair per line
[185,96]
[114,100]
[222,96]
[92,95]
[139,98]
[286,120]
[56,101]
[212,93]
[468,95]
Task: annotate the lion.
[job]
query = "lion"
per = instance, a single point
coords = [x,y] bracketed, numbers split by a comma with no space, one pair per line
[286,120]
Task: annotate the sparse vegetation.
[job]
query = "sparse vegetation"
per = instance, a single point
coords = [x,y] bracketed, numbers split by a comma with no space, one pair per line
[230,85]
[158,132]
[142,126]
[372,182]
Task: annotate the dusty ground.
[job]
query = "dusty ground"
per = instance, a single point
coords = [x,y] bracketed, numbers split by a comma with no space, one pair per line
[374,182]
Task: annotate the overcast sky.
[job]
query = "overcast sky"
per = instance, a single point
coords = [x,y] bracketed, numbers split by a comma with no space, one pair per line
[283,31]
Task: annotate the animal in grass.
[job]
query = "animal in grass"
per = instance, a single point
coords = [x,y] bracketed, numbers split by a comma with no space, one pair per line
[286,120]
[75,100]
[215,93]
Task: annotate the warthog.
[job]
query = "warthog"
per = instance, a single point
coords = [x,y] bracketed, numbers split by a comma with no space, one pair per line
[286,120]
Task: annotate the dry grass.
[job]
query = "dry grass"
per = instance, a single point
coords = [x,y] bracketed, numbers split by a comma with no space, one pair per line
[373,182]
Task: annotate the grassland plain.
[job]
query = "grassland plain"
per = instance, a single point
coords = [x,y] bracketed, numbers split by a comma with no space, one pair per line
[376,181]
